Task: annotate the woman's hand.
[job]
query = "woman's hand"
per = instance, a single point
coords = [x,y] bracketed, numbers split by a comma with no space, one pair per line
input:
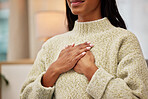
[70,56]
[67,59]
[86,65]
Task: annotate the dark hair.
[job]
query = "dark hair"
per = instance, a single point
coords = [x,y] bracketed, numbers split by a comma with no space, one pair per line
[108,9]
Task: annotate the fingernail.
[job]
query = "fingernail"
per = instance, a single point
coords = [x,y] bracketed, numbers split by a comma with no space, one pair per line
[91,45]
[83,53]
[73,44]
[88,48]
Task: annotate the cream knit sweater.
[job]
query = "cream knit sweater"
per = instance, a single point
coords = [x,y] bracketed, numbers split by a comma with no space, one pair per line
[122,71]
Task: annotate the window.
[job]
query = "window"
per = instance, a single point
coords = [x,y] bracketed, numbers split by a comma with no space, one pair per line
[4,15]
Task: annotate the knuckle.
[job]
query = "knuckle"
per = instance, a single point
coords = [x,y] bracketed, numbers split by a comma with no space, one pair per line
[68,50]
[77,47]
[80,47]
[85,43]
[69,54]
[68,60]
[77,53]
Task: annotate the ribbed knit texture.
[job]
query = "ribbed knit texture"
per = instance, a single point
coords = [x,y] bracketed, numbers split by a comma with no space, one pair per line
[122,71]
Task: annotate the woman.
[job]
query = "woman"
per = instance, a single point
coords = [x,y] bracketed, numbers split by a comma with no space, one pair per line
[110,66]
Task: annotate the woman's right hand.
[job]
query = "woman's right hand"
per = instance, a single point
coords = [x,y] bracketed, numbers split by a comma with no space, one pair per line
[67,59]
[70,55]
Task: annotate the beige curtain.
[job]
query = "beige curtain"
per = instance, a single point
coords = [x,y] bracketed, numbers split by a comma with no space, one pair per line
[18,44]
[23,42]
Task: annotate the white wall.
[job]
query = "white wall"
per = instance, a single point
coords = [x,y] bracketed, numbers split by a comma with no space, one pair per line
[135,14]
[16,75]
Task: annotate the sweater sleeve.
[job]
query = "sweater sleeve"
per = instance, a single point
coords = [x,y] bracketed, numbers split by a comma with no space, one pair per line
[131,79]
[32,88]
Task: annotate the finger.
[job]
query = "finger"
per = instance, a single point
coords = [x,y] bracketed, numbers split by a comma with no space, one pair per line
[77,52]
[68,46]
[88,42]
[84,45]
[73,44]
[81,49]
[79,56]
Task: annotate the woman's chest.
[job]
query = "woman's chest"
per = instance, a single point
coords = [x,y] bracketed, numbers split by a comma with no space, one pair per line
[71,81]
[100,50]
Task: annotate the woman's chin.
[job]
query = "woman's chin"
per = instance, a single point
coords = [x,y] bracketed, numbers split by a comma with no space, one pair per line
[76,12]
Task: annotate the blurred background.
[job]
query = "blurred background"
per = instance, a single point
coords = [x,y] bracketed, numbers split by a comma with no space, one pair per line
[26,24]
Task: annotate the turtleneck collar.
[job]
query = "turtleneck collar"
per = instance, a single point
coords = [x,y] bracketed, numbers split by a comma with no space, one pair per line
[98,26]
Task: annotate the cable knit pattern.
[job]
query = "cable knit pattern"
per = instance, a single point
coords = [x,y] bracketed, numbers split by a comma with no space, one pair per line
[122,71]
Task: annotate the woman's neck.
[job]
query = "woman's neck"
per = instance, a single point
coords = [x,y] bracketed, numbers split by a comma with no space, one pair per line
[88,18]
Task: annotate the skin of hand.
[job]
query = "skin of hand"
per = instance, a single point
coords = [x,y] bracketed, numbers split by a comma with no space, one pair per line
[86,65]
[71,55]
[67,59]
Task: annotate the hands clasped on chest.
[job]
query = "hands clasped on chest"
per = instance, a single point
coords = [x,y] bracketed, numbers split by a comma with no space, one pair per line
[79,58]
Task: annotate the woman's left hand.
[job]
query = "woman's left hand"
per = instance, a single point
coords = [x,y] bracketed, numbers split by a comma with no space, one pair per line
[86,65]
